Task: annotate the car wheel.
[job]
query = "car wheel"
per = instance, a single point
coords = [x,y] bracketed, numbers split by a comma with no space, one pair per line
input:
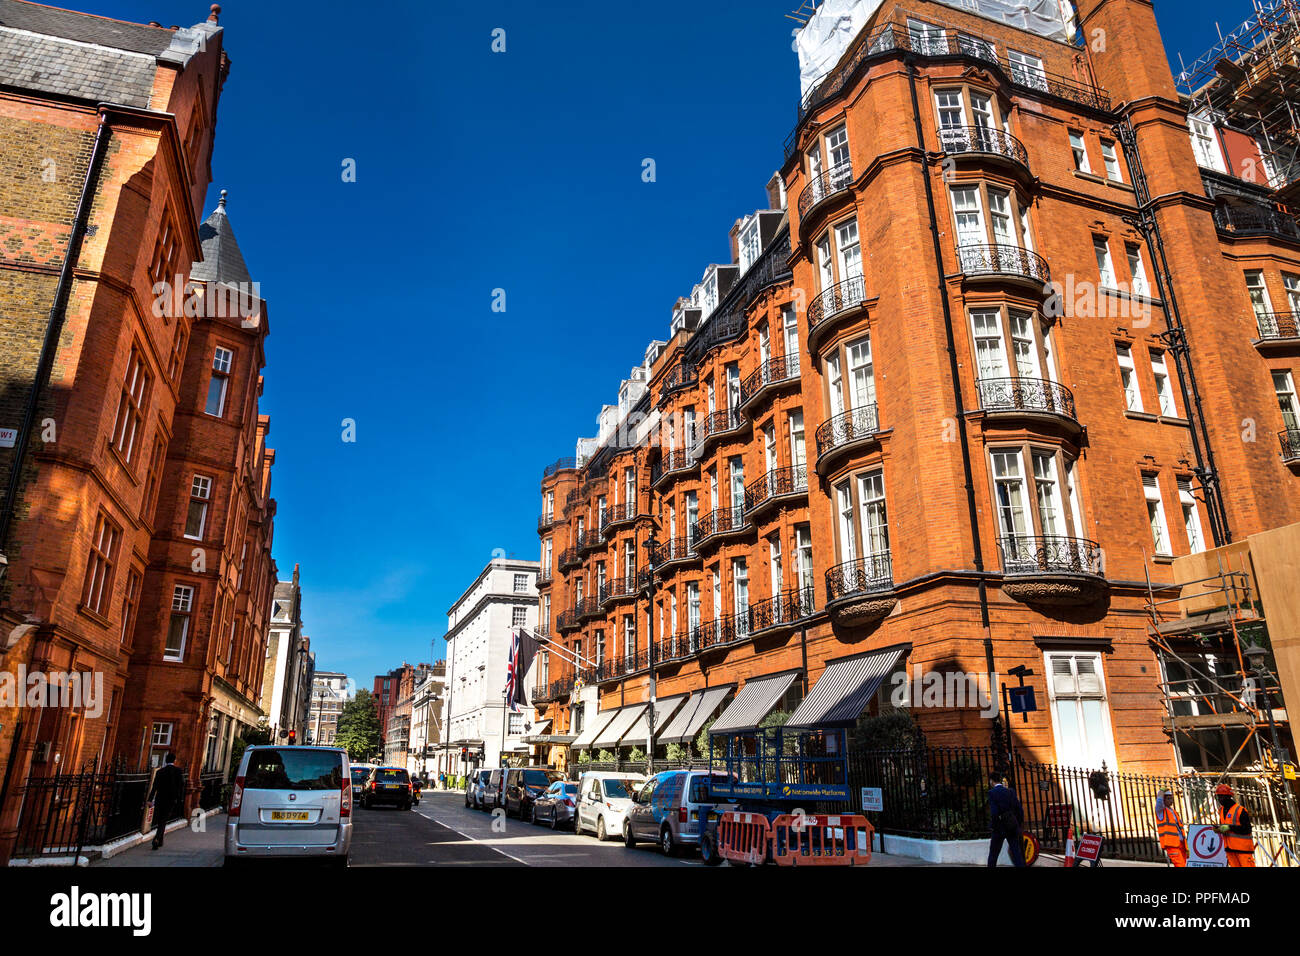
[555,819]
[709,851]
[600,829]
[629,840]
[666,843]
[532,814]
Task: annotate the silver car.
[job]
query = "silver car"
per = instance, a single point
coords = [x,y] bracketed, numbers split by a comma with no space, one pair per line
[557,805]
[474,786]
[291,802]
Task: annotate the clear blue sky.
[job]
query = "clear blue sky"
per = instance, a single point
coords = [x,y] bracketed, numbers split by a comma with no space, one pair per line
[476,171]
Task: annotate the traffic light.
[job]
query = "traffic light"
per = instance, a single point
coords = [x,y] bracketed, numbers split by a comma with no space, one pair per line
[293,737]
[464,753]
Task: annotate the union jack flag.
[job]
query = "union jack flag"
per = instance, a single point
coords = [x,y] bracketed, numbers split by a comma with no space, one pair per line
[523,648]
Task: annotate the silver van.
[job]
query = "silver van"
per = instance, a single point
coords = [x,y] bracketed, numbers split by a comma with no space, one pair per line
[672,809]
[291,802]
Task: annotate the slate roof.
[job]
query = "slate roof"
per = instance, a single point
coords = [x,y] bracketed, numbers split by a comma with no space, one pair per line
[70,25]
[222,260]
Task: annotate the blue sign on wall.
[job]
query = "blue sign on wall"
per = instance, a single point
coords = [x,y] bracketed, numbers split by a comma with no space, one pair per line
[1023,700]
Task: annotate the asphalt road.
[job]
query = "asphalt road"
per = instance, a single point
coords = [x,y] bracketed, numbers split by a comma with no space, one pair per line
[441,831]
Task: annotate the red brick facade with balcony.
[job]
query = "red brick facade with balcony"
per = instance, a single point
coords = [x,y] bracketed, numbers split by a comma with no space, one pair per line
[1021,456]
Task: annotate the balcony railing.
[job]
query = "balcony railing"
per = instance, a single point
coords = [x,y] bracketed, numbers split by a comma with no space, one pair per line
[857,424]
[570,558]
[1277,325]
[672,551]
[1026,395]
[1289,438]
[552,690]
[719,521]
[567,620]
[783,610]
[545,522]
[777,483]
[563,464]
[965,140]
[616,515]
[775,371]
[1003,260]
[544,577]
[1256,220]
[834,180]
[619,589]
[615,667]
[677,377]
[590,541]
[849,294]
[677,647]
[716,425]
[726,630]
[873,574]
[1030,555]
[588,608]
[671,463]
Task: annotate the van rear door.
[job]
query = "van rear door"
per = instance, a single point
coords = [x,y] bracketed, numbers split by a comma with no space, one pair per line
[292,797]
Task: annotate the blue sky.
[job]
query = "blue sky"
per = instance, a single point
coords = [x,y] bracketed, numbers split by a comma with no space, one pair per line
[476,171]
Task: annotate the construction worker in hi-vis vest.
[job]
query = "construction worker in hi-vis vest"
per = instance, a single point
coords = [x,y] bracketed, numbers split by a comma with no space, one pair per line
[1234,824]
[1173,838]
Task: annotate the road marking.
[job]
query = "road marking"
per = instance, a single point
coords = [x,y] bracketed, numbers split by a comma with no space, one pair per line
[490,846]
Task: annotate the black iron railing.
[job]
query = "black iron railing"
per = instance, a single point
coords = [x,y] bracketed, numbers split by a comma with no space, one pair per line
[620,588]
[1049,554]
[716,424]
[847,427]
[1026,395]
[841,297]
[834,180]
[1256,220]
[567,620]
[719,521]
[728,629]
[777,483]
[570,558]
[1277,325]
[782,368]
[545,522]
[677,647]
[563,464]
[544,577]
[673,550]
[960,140]
[677,377]
[617,514]
[65,813]
[1003,260]
[1290,441]
[670,463]
[588,607]
[782,610]
[873,574]
[574,497]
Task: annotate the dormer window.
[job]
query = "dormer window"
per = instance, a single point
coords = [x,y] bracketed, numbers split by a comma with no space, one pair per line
[751,244]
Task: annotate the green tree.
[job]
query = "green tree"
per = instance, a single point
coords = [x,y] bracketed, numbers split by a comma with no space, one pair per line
[895,729]
[358,730]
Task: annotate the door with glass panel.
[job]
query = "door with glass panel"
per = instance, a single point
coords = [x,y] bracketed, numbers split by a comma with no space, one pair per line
[1284,386]
[926,38]
[862,387]
[804,563]
[837,156]
[952,119]
[968,210]
[774,563]
[740,582]
[790,330]
[798,452]
[850,257]
[737,468]
[1014,525]
[990,356]
[875,527]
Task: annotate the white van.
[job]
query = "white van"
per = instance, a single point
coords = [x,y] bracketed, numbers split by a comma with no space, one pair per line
[291,802]
[604,798]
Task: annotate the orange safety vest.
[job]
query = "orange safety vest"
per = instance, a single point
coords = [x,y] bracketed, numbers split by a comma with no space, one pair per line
[1170,829]
[1235,842]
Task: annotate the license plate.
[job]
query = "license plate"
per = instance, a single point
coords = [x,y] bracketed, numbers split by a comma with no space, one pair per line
[289,816]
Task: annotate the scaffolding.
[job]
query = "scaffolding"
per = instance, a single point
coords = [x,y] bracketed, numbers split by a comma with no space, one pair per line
[1250,82]
[1222,699]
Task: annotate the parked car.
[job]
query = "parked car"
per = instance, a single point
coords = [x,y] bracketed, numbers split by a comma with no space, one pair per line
[290,802]
[672,809]
[493,789]
[360,773]
[604,798]
[557,804]
[475,783]
[524,785]
[388,785]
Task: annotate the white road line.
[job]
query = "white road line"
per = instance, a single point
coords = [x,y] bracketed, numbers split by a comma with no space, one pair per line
[490,846]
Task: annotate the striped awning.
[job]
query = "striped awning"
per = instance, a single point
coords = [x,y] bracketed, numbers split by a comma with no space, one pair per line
[598,722]
[637,736]
[754,702]
[845,687]
[615,730]
[691,716]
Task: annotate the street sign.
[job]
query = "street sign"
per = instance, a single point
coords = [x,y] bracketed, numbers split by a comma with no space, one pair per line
[1059,815]
[1205,846]
[873,799]
[1023,700]
[1031,848]
[7,437]
[1089,847]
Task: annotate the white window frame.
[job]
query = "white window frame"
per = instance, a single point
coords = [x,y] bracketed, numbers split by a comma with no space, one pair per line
[1156,519]
[1128,377]
[1083,689]
[1080,151]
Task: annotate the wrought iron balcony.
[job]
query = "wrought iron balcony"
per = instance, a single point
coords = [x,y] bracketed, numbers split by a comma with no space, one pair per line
[672,463]
[983,141]
[873,574]
[673,551]
[588,608]
[616,515]
[620,589]
[590,541]
[567,620]
[729,421]
[1289,438]
[1277,325]
[834,180]
[781,370]
[839,299]
[1004,261]
[845,431]
[1038,555]
[563,464]
[573,498]
[544,577]
[677,647]
[783,610]
[1028,396]
[776,484]
[726,631]
[1252,219]
[677,377]
[615,668]
[545,522]
[553,690]
[570,558]
[720,523]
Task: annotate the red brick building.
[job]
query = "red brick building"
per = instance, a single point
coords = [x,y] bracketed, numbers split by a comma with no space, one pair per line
[991,368]
[109,130]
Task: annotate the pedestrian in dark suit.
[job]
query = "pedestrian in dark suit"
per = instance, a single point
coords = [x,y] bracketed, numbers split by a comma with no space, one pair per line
[1007,818]
[165,795]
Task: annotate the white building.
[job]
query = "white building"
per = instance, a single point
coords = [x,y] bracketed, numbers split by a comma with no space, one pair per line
[289,665]
[329,692]
[479,627]
[428,701]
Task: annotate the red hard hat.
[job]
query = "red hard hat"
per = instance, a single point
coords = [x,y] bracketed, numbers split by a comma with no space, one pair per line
[1223,790]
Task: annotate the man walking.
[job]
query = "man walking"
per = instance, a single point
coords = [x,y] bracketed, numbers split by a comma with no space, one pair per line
[1169,826]
[1234,825]
[1007,817]
[167,792]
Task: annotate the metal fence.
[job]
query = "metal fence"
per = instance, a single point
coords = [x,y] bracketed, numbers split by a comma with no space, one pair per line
[66,812]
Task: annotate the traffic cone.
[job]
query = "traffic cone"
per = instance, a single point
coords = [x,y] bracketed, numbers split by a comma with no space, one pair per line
[1069,846]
